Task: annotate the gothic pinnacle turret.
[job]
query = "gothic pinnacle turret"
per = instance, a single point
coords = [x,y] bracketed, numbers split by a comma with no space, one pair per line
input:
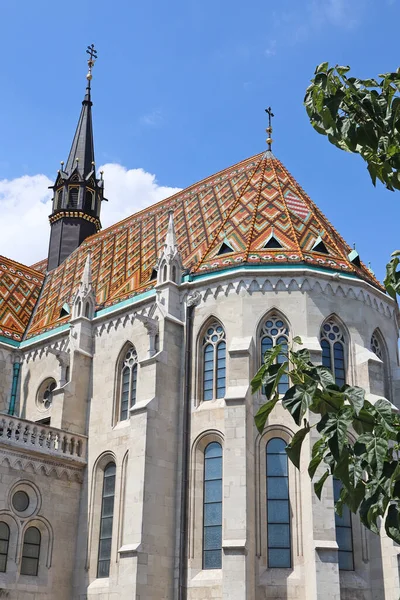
[78,193]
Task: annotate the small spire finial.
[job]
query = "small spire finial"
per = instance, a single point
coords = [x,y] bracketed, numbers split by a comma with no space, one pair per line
[92,59]
[269,128]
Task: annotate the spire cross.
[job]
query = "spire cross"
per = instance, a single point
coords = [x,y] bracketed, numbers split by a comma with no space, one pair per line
[92,53]
[92,59]
[269,128]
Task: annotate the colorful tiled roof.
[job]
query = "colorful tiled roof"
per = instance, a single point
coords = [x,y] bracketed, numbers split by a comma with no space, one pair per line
[40,266]
[19,291]
[246,205]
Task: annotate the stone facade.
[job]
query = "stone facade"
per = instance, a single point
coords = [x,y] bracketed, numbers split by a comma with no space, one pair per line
[62,470]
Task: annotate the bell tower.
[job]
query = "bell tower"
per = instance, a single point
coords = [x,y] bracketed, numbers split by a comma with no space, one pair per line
[78,193]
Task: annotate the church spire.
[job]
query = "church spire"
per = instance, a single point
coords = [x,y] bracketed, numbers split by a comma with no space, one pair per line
[78,193]
[81,155]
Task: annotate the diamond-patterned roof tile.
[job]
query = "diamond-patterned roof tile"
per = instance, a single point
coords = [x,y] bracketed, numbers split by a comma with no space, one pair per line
[244,204]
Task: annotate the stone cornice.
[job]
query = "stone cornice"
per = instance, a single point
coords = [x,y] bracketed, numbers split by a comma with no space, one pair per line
[40,466]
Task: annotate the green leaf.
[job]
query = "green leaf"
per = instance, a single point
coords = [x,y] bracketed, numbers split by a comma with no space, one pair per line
[314,464]
[375,450]
[364,422]
[293,450]
[272,377]
[263,413]
[297,400]
[392,522]
[257,380]
[334,427]
[323,375]
[387,418]
[342,70]
[356,396]
[322,67]
[320,484]
[297,340]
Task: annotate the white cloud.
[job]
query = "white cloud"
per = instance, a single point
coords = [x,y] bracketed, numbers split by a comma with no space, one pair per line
[25,203]
[152,119]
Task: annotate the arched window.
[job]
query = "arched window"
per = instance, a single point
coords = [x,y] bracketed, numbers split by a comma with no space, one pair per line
[106,521]
[165,273]
[31,552]
[276,331]
[174,274]
[73,194]
[128,382]
[378,348]
[214,362]
[212,507]
[278,505]
[344,532]
[4,539]
[333,355]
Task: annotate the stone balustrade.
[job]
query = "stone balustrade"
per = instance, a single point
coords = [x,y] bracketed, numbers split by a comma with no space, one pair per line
[35,437]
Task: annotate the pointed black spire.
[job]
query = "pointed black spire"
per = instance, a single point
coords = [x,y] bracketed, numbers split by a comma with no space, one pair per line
[81,155]
[78,193]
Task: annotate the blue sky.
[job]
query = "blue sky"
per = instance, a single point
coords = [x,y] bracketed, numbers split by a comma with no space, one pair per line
[179,93]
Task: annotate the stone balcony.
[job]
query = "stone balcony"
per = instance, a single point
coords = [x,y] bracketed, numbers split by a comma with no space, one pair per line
[42,441]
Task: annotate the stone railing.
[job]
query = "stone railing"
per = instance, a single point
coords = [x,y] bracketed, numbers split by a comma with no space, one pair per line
[34,437]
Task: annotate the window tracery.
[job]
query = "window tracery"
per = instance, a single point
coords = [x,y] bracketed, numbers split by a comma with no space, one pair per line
[44,398]
[128,382]
[214,362]
[276,331]
[333,350]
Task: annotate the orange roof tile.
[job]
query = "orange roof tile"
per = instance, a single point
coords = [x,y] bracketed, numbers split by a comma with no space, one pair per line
[19,291]
[244,204]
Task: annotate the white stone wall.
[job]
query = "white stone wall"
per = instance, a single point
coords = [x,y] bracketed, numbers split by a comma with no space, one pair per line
[146,447]
[53,489]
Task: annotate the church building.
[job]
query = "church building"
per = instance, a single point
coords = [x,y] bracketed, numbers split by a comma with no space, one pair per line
[130,464]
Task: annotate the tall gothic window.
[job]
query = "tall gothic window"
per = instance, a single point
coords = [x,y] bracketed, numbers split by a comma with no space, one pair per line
[128,382]
[344,532]
[214,362]
[377,347]
[276,331]
[4,539]
[106,521]
[278,505]
[31,552]
[333,354]
[212,507]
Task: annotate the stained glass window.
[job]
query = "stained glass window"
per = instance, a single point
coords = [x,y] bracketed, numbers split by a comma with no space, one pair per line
[278,505]
[106,521]
[212,507]
[275,331]
[214,362]
[333,355]
[344,533]
[128,382]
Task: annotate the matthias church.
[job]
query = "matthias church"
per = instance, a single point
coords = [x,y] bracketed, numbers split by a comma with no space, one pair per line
[130,465]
